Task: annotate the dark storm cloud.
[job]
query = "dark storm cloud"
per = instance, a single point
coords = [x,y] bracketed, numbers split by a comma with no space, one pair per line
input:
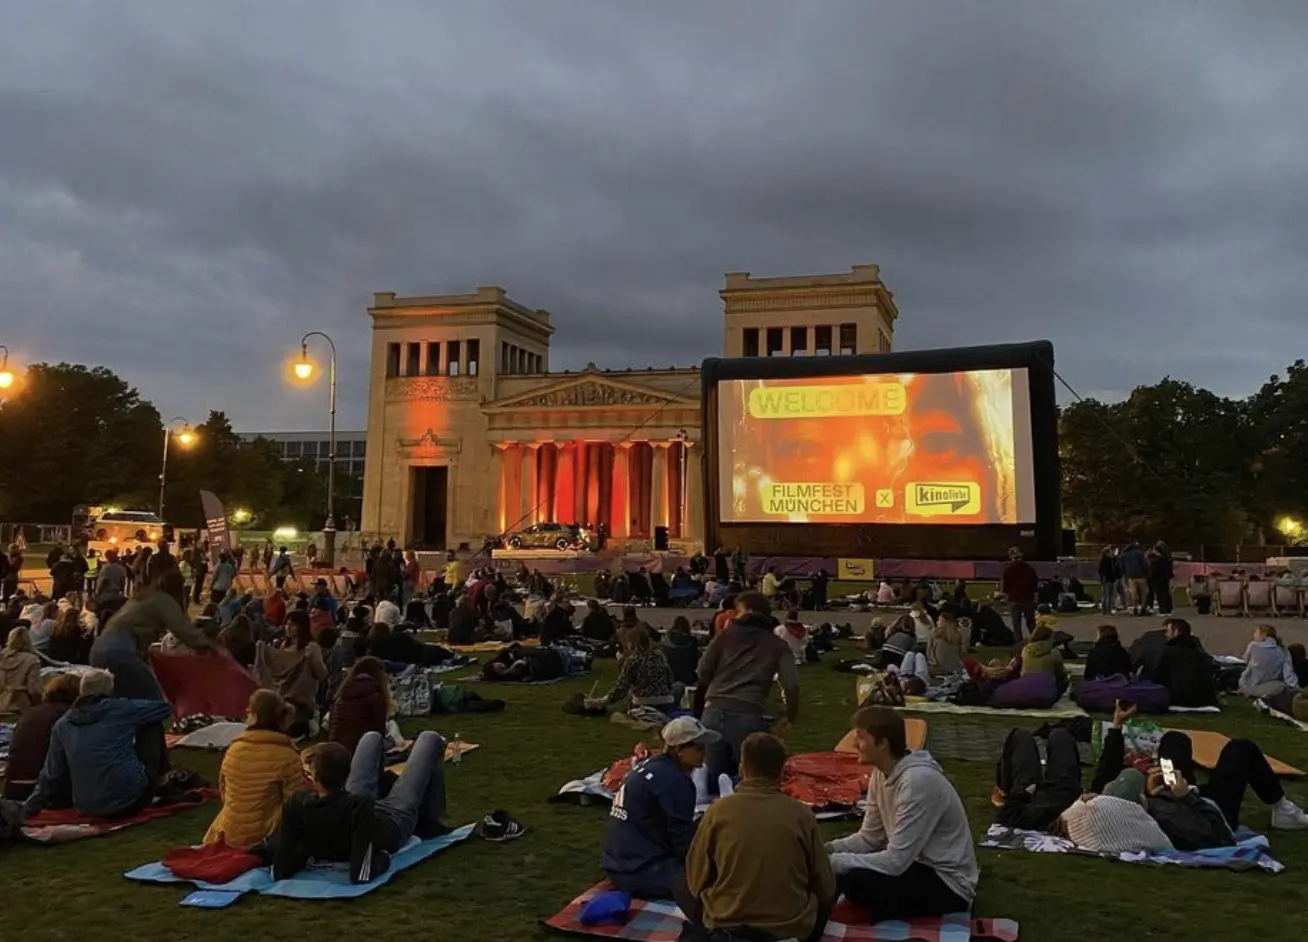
[185,188]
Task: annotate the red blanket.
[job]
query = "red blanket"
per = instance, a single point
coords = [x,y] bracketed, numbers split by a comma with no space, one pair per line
[204,683]
[826,780]
[66,824]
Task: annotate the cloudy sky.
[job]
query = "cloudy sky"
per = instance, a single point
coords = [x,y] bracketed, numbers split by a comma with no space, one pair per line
[185,188]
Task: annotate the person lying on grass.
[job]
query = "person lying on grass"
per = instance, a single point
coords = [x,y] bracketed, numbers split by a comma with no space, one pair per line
[653,817]
[341,819]
[106,755]
[260,771]
[757,867]
[913,856]
[1191,817]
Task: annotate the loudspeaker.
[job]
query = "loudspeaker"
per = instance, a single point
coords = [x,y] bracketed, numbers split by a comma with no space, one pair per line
[1069,542]
[661,539]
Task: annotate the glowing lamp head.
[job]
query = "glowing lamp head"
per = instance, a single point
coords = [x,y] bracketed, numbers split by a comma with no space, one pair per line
[1289,526]
[186,437]
[303,370]
[241,516]
[6,378]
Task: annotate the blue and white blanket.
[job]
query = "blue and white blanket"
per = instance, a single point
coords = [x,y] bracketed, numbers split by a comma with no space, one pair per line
[1250,853]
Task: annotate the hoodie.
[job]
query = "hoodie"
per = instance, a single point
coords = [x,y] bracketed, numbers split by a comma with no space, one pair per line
[738,668]
[682,651]
[20,680]
[1188,673]
[1107,658]
[92,762]
[914,815]
[1043,657]
[361,706]
[1268,662]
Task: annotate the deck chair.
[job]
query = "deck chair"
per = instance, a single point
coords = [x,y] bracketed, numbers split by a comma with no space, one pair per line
[1288,599]
[1259,597]
[259,582]
[1229,598]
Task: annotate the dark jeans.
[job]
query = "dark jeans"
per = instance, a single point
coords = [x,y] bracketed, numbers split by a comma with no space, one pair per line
[1037,795]
[696,931]
[416,803]
[1240,765]
[724,755]
[1022,611]
[1161,590]
[152,750]
[665,880]
[916,892]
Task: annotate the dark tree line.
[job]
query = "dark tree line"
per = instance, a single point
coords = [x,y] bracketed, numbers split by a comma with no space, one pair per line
[73,435]
[1177,462]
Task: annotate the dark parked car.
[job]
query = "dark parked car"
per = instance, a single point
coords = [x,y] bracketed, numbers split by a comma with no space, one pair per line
[561,536]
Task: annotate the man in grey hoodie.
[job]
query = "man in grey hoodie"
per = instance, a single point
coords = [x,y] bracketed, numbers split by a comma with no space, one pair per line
[913,856]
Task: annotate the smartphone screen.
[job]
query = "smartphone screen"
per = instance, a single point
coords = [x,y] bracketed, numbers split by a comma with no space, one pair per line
[1169,772]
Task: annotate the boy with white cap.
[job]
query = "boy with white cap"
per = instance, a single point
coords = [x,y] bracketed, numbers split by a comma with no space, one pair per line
[653,817]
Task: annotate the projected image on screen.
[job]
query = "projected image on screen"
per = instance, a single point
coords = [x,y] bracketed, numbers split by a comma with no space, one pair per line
[927,448]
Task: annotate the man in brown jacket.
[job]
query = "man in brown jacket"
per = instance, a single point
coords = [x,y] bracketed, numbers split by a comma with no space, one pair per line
[758,866]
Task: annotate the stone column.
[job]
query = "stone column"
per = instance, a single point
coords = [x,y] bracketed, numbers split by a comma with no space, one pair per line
[529,487]
[565,484]
[620,511]
[498,480]
[694,525]
[594,450]
[580,481]
[658,497]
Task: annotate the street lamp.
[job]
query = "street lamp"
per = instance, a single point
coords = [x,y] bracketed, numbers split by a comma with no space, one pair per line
[6,374]
[186,438]
[303,371]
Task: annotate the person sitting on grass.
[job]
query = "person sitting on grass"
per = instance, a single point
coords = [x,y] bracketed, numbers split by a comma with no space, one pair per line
[259,772]
[643,673]
[1107,657]
[340,819]
[682,651]
[1185,668]
[1270,671]
[652,820]
[20,673]
[913,856]
[946,647]
[1040,654]
[31,737]
[294,670]
[106,753]
[757,866]
[597,625]
[362,705]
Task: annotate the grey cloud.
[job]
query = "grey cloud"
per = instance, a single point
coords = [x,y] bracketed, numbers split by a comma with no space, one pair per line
[185,189]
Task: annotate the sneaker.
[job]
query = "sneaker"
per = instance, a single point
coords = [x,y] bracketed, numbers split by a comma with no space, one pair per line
[499,827]
[1287,816]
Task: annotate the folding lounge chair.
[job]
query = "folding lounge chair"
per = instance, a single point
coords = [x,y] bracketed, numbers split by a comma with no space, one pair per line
[1229,598]
[1259,598]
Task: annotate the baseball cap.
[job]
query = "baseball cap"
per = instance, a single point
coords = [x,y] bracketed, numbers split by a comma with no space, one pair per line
[1129,784]
[685,730]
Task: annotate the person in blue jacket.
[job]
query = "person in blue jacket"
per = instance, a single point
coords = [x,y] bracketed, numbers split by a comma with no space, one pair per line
[653,818]
[97,763]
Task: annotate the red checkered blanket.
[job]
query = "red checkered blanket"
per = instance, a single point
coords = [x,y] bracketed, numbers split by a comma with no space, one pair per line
[662,922]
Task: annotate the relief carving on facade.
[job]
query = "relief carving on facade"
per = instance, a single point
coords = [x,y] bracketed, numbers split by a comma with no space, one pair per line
[433,388]
[593,394]
[428,445]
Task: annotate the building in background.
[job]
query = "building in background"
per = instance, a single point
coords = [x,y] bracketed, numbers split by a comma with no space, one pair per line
[470,434]
[296,447]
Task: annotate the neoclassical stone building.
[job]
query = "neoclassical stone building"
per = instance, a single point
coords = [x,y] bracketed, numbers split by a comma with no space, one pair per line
[470,434]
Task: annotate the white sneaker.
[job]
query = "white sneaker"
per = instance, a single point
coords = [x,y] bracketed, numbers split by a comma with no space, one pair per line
[1287,816]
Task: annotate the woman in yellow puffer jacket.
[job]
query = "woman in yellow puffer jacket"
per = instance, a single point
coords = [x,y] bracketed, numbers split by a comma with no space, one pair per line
[259,772]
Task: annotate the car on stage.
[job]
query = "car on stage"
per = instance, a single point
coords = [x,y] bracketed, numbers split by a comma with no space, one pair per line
[556,536]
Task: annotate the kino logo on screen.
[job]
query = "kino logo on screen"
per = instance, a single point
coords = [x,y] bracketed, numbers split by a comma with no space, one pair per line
[934,500]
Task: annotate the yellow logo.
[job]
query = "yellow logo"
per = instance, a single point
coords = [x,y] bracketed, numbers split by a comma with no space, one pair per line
[943,499]
[828,402]
[845,500]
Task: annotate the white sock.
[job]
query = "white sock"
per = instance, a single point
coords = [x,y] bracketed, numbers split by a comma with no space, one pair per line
[725,788]
[700,778]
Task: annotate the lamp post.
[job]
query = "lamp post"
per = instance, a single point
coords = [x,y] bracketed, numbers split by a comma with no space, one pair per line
[685,467]
[6,374]
[304,370]
[184,437]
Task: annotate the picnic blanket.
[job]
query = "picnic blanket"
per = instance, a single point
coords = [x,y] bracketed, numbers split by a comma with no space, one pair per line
[216,736]
[453,751]
[64,825]
[1063,709]
[478,679]
[317,882]
[490,647]
[1250,853]
[1261,705]
[662,922]
[215,684]
[6,734]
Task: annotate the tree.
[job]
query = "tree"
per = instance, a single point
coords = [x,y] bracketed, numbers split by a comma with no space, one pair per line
[76,435]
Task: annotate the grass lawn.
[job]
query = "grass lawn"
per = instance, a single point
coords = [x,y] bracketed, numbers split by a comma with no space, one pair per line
[484,891]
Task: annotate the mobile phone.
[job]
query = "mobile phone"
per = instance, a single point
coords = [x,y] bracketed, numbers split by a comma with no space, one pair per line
[1169,772]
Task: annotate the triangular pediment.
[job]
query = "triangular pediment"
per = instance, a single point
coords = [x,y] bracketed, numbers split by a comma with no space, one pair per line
[592,390]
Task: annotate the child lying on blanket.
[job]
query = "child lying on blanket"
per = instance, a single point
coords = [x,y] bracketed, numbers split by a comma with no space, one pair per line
[1185,816]
[342,819]
[260,771]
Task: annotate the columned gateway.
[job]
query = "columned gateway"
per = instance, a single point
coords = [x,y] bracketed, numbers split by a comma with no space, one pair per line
[471,435]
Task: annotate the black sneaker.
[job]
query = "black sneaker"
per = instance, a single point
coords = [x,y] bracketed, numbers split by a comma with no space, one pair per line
[499,827]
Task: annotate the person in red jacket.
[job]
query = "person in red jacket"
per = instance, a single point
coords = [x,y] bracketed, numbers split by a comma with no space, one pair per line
[1019,584]
[362,705]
